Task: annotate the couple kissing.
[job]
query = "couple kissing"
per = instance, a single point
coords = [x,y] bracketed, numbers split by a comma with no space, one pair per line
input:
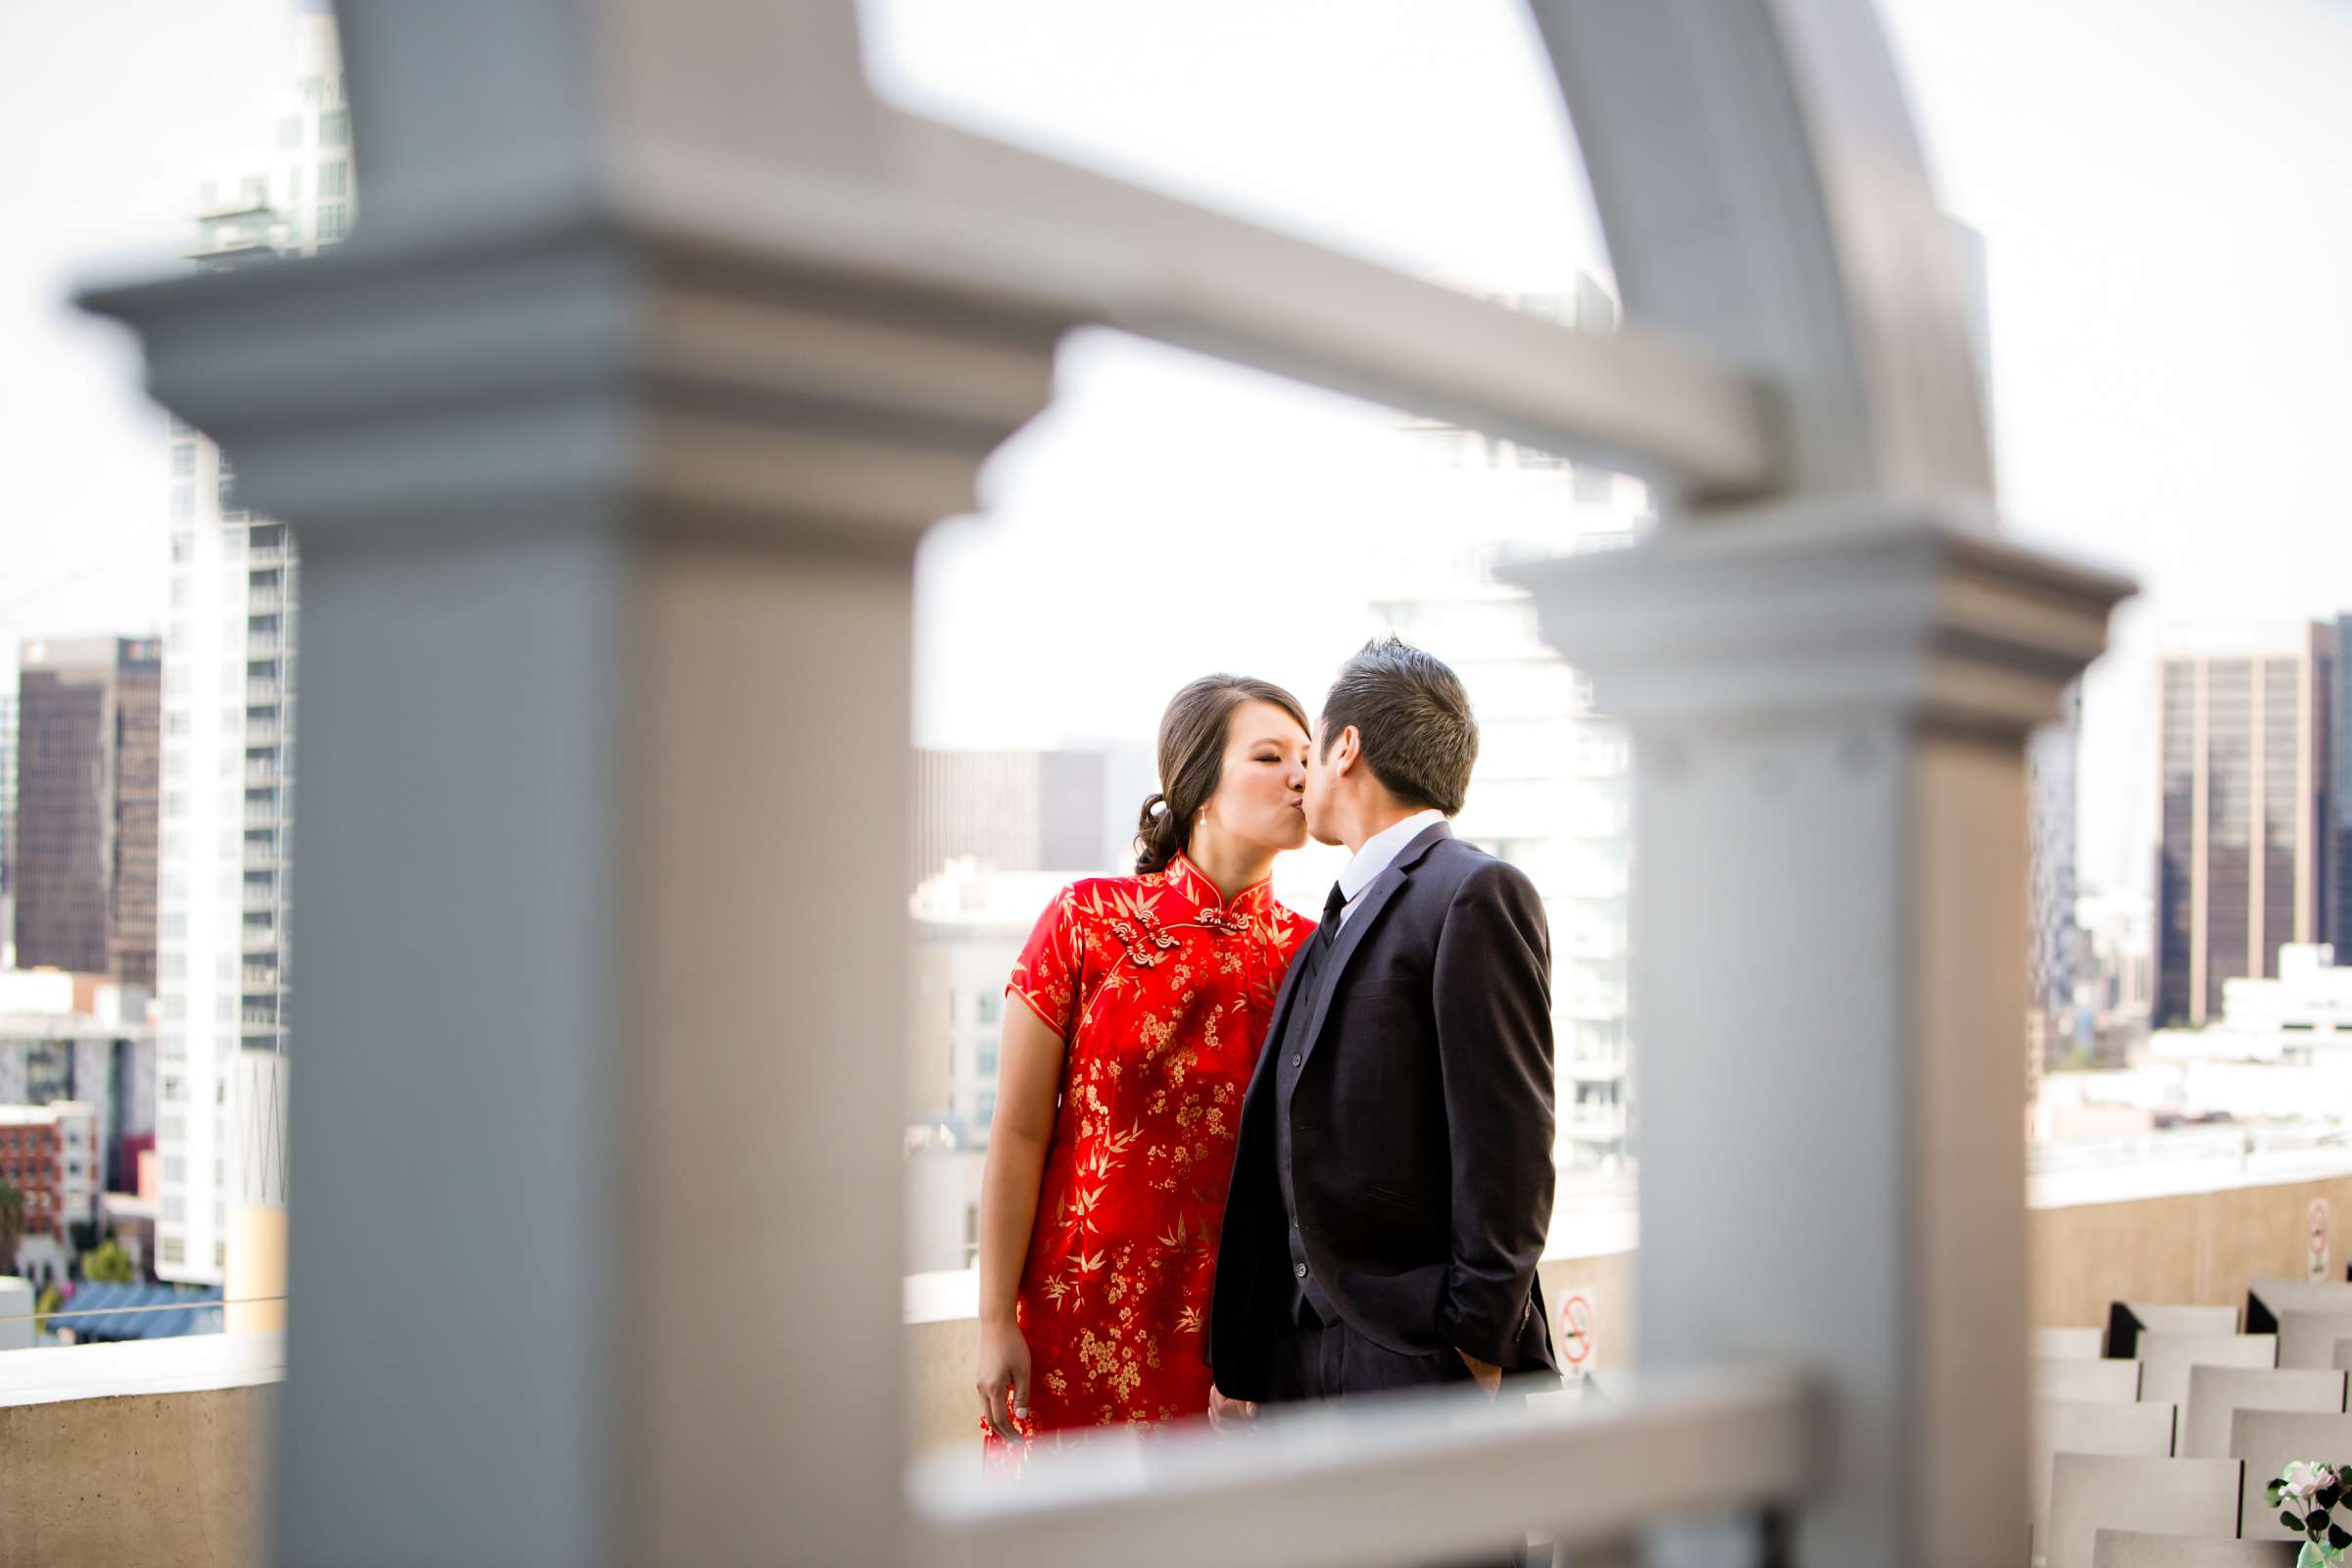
[1243,1156]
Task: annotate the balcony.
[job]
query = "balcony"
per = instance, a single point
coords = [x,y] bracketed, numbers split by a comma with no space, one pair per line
[260,772]
[261,893]
[263,646]
[265,601]
[1596,1002]
[259,938]
[258,557]
[1596,1066]
[1595,1123]
[817,369]
[264,687]
[259,979]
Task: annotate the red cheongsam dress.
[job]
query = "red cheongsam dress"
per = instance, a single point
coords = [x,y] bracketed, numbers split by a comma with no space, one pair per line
[1161,991]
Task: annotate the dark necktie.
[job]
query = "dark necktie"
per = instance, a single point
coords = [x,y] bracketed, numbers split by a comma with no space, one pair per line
[1329,930]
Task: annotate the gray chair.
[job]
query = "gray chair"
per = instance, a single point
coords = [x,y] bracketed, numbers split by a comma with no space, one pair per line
[2307,1336]
[2068,1426]
[2165,1359]
[2217,1392]
[2090,1493]
[2267,1441]
[2129,1549]
[2128,1320]
[2268,1301]
[2070,1345]
[2086,1382]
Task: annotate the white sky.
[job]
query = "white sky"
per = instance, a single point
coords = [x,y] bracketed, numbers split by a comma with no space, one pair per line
[2159,182]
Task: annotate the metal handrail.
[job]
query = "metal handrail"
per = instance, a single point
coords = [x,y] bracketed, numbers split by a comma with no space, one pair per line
[68,1309]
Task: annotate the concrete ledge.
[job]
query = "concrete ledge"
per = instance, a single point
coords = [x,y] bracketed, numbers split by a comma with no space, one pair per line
[176,1480]
[187,1364]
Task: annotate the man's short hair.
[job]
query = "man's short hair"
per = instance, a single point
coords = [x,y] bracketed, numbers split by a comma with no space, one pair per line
[1414,718]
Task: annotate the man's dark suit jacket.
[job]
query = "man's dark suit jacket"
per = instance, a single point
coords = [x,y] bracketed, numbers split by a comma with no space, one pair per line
[1421,1126]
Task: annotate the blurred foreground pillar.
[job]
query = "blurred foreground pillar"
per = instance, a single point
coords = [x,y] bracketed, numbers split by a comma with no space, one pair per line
[1828,978]
[610,438]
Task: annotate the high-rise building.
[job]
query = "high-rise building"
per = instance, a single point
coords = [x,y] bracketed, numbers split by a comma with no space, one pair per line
[8,823]
[85,843]
[226,980]
[1553,786]
[2338,815]
[1073,808]
[2242,867]
[2051,772]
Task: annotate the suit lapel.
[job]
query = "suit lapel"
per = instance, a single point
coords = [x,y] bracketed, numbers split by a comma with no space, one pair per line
[1359,926]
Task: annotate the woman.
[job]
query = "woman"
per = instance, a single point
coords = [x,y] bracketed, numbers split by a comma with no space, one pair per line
[1145,1003]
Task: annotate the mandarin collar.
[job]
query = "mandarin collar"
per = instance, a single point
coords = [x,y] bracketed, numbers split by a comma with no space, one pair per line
[1191,883]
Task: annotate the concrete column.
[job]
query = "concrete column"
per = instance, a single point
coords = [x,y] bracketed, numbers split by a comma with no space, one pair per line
[1829,972]
[608,530]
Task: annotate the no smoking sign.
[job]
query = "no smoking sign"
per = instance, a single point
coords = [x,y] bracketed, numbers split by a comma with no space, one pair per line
[1576,1334]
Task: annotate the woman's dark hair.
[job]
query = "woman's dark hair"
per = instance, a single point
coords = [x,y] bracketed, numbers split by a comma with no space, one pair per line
[1192,757]
[1414,719]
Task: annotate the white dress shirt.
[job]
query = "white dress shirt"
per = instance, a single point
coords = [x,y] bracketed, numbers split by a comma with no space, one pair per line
[1379,851]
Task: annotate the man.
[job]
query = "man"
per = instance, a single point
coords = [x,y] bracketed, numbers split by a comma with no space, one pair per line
[1391,1186]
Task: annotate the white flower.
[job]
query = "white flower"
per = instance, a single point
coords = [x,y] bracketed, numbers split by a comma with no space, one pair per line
[2305,1480]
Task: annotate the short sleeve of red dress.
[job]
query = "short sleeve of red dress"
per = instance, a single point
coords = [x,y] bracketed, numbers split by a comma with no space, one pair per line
[1045,975]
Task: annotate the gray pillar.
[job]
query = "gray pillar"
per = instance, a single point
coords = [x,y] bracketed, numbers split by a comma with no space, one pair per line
[1827,966]
[607,540]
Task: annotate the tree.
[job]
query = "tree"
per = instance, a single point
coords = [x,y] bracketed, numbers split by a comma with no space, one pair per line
[109,1265]
[11,1225]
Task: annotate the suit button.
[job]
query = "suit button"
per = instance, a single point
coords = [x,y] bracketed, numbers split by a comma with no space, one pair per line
[1299,1269]
[1294,1059]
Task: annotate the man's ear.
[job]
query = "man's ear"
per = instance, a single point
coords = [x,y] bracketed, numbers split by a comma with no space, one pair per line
[1346,751]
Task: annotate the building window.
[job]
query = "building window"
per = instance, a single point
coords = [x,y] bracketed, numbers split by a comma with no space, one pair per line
[334,221]
[986,1060]
[174,1249]
[334,127]
[335,179]
[183,460]
[992,1007]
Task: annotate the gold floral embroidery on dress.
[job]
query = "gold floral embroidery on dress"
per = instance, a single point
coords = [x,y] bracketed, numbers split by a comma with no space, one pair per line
[1157,1056]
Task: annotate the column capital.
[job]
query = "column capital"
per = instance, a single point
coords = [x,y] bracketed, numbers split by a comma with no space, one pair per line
[845,378]
[1809,611]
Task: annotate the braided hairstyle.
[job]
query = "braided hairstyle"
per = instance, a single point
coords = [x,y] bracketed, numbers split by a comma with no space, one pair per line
[1191,759]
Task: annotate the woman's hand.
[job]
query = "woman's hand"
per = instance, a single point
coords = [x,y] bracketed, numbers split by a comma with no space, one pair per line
[1004,1364]
[1221,1409]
